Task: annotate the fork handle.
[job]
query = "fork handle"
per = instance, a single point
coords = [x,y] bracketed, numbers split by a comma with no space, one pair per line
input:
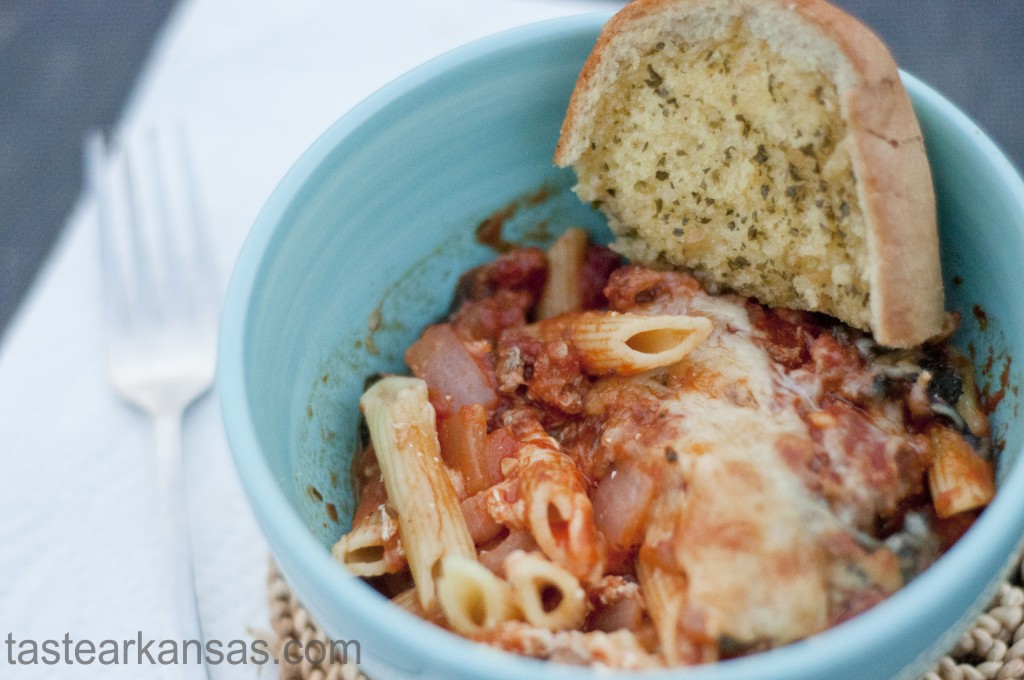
[177,540]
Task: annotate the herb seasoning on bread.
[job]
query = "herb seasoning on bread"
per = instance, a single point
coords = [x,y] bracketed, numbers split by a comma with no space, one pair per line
[767,146]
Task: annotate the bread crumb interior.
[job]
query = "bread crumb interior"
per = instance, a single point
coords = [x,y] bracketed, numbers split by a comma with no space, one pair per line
[722,157]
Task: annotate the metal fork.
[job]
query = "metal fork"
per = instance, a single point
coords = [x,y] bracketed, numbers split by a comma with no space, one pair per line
[160,297]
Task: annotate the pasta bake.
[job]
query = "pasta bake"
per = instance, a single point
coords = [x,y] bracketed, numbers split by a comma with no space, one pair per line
[599,463]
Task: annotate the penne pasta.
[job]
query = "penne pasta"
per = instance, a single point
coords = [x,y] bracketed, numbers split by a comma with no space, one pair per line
[547,595]
[365,550]
[967,405]
[430,521]
[556,508]
[471,597]
[627,344]
[665,597]
[410,602]
[562,292]
[559,513]
[959,479]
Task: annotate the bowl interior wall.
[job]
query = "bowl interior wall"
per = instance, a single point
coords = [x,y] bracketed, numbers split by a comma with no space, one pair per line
[981,228]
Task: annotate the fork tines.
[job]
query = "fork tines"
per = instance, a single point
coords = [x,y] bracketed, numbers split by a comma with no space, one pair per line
[156,265]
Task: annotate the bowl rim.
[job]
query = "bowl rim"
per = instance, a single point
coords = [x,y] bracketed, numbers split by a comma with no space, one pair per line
[434,647]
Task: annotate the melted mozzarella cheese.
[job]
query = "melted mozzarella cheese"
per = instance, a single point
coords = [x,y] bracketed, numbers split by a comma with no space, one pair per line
[742,526]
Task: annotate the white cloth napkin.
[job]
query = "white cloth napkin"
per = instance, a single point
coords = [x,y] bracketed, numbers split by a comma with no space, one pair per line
[255,82]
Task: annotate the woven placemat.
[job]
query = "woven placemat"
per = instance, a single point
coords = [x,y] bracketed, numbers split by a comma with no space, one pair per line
[993,649]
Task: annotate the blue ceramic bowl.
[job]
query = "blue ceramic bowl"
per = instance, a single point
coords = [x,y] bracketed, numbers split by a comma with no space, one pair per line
[360,247]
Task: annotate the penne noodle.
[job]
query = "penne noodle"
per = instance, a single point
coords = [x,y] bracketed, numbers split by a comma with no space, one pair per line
[547,595]
[430,521]
[557,510]
[364,549]
[665,597]
[627,344]
[471,597]
[967,405]
[410,602]
[959,479]
[562,292]
[559,513]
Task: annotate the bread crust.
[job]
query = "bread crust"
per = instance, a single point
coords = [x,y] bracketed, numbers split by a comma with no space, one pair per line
[894,183]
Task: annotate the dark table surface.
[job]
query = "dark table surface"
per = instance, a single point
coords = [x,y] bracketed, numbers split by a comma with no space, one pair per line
[68,65]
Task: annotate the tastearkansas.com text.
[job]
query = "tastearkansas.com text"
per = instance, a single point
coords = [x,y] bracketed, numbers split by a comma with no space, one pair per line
[143,651]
